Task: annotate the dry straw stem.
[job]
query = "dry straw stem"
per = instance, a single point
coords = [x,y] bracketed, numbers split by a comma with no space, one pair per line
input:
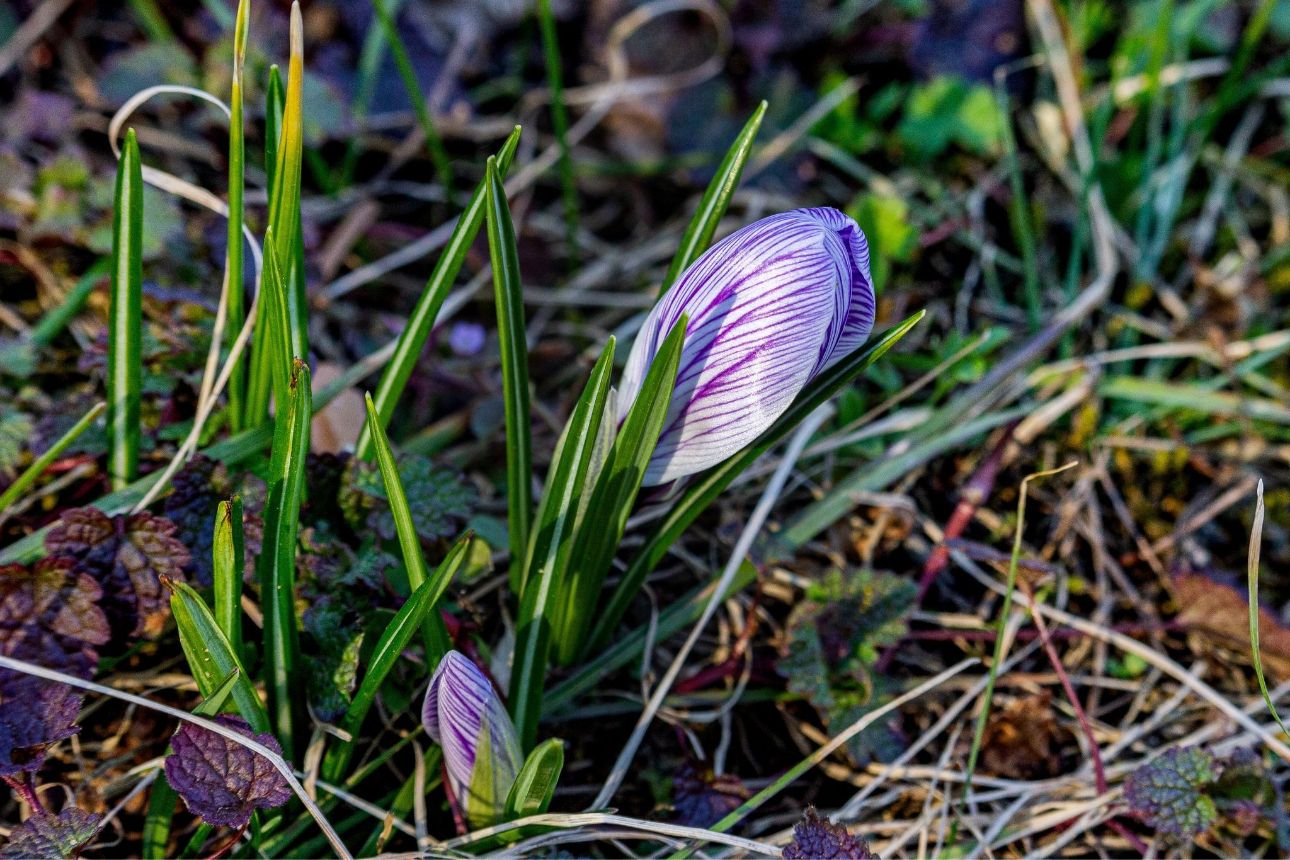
[279,764]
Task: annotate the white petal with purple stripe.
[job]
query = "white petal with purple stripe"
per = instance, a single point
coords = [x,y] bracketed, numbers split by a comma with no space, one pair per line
[769,307]
[481,749]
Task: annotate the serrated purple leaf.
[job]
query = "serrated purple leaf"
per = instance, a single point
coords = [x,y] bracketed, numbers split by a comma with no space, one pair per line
[220,780]
[816,838]
[127,556]
[1168,792]
[52,837]
[49,615]
[34,714]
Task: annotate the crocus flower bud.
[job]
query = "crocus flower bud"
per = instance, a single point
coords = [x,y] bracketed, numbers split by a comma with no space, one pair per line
[769,307]
[481,749]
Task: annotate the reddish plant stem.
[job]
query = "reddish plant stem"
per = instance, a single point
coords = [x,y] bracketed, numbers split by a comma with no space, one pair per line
[458,815]
[975,492]
[1099,771]
[228,845]
[1133,838]
[22,785]
[729,666]
[1026,635]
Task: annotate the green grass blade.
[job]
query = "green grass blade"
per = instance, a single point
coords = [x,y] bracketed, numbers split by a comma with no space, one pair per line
[15,490]
[413,338]
[708,486]
[535,784]
[1000,639]
[515,362]
[560,124]
[1252,572]
[548,552]
[369,69]
[277,562]
[156,826]
[233,254]
[56,319]
[210,655]
[284,203]
[434,142]
[229,562]
[125,325]
[435,633]
[716,199]
[277,353]
[260,382]
[614,494]
[398,633]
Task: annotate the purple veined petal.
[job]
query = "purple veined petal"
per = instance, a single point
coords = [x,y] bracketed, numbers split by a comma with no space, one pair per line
[855,249]
[481,749]
[769,307]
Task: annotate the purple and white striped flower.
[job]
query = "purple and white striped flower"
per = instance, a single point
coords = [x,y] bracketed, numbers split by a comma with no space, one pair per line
[481,749]
[769,307]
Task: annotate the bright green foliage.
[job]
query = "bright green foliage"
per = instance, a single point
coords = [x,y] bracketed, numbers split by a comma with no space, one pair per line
[947,112]
[892,239]
[15,431]
[832,642]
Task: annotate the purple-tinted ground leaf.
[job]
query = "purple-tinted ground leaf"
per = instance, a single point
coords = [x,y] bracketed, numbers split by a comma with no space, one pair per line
[127,555]
[440,499]
[52,837]
[220,780]
[1169,792]
[198,489]
[33,714]
[816,838]
[49,615]
[702,798]
[831,643]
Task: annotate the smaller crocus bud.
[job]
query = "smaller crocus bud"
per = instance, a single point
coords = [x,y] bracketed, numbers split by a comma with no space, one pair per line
[481,749]
[769,307]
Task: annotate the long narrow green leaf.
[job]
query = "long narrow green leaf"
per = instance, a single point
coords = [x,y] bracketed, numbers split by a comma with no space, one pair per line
[284,205]
[515,363]
[560,123]
[549,549]
[125,325]
[388,649]
[433,630]
[156,826]
[413,337]
[715,201]
[1252,582]
[57,318]
[708,486]
[535,784]
[233,263]
[229,562]
[260,382]
[15,490]
[277,562]
[615,494]
[210,655]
